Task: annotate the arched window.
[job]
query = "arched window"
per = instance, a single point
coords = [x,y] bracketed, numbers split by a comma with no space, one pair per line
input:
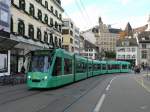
[52,9]
[56,41]
[22,4]
[56,13]
[60,28]
[45,37]
[60,43]
[31,10]
[31,31]
[51,22]
[46,4]
[39,1]
[21,28]
[46,19]
[12,26]
[60,16]
[51,39]
[39,14]
[56,24]
[39,34]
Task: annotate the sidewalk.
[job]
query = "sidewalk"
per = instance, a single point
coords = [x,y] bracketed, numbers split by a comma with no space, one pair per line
[144,80]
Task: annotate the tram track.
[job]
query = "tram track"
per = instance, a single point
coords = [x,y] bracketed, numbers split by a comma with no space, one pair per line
[75,98]
[9,96]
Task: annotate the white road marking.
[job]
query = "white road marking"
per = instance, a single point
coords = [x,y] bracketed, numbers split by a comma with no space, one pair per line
[112,80]
[99,104]
[108,87]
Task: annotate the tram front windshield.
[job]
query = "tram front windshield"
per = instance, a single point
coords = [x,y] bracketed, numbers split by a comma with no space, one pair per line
[40,64]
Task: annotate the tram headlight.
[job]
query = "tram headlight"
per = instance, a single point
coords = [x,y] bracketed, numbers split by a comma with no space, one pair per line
[29,77]
[45,77]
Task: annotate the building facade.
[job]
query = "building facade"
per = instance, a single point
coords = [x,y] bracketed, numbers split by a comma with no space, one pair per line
[5,42]
[105,38]
[144,45]
[35,24]
[71,36]
[77,40]
[91,51]
[127,50]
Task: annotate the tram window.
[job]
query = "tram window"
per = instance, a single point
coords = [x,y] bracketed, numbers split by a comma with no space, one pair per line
[99,67]
[103,67]
[84,67]
[57,67]
[81,67]
[67,66]
[124,66]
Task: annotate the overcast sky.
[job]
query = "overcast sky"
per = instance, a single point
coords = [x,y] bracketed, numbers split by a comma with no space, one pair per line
[85,13]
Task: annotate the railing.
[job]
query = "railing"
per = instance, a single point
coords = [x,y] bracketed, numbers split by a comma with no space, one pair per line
[13,79]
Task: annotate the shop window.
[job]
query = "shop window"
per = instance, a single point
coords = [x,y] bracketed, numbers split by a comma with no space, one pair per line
[39,34]
[21,28]
[31,31]
[57,67]
[46,4]
[45,37]
[4,61]
[39,14]
[22,4]
[31,10]
[46,19]
[67,66]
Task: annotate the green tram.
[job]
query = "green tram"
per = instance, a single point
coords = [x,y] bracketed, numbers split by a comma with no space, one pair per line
[54,68]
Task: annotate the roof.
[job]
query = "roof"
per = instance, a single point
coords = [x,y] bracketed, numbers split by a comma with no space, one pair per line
[141,29]
[114,30]
[144,37]
[127,42]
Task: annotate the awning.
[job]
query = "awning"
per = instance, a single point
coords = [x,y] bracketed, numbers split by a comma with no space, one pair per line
[7,43]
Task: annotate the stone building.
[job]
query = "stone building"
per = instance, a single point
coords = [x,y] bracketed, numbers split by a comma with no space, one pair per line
[70,36]
[144,45]
[35,24]
[127,49]
[105,37]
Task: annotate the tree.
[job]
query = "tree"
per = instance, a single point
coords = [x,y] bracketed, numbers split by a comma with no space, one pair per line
[110,54]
